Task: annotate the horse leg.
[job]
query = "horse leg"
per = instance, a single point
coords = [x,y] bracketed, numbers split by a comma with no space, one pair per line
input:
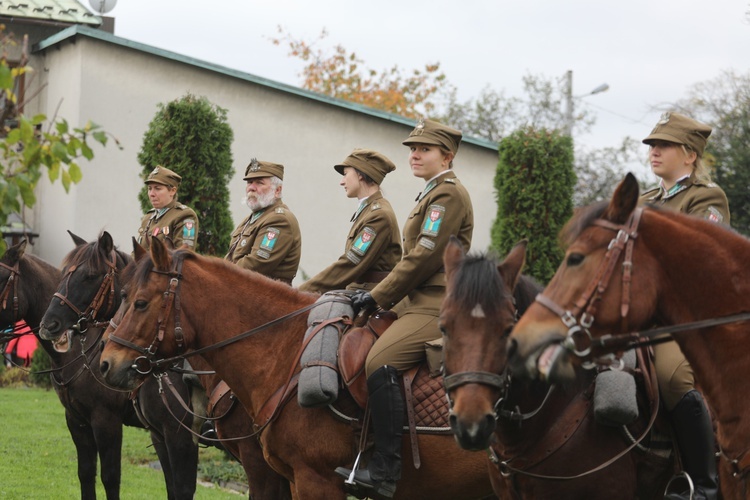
[166,469]
[83,439]
[310,485]
[265,483]
[108,435]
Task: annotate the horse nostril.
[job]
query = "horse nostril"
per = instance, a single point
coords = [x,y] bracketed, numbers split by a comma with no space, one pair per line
[512,348]
[104,367]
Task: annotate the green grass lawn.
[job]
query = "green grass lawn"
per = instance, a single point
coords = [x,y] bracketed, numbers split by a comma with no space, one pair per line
[38,458]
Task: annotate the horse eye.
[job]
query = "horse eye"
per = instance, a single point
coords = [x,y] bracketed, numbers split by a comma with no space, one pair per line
[141,304]
[507,331]
[575,259]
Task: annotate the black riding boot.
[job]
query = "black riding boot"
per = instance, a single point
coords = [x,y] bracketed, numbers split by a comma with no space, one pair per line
[692,426]
[387,410]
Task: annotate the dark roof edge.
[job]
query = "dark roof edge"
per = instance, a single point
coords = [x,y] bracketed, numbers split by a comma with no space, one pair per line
[73,31]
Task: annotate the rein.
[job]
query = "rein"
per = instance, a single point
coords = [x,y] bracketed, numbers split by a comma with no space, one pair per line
[106,291]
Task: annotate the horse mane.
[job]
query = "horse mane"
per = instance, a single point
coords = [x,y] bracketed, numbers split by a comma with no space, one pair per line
[90,253]
[477,281]
[582,218]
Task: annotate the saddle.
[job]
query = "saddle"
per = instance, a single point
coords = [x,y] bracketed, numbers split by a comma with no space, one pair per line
[424,392]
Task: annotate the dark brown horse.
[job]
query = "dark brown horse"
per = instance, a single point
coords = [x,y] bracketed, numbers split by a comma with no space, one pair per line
[86,297]
[538,435]
[218,300]
[681,270]
[94,413]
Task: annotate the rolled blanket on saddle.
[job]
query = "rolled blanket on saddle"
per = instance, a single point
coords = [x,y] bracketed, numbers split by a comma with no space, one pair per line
[615,401]
[319,380]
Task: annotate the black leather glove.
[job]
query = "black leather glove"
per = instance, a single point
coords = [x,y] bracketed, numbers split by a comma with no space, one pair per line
[362,300]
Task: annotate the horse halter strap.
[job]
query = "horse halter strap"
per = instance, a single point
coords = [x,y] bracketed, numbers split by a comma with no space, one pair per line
[106,291]
[586,305]
[12,283]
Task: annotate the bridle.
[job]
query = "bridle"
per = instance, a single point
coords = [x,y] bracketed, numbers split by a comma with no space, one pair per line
[106,293]
[581,316]
[11,285]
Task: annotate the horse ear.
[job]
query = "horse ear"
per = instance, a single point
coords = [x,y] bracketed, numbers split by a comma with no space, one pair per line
[14,253]
[138,251]
[452,256]
[510,268]
[106,243]
[160,255]
[623,201]
[77,240]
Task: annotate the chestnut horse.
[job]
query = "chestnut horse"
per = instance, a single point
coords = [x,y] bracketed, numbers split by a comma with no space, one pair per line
[537,434]
[218,300]
[86,269]
[689,274]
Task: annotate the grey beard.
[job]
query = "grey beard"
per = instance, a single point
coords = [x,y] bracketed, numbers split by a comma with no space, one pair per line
[260,202]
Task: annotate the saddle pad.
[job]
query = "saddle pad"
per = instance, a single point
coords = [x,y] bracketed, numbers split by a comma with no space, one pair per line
[430,403]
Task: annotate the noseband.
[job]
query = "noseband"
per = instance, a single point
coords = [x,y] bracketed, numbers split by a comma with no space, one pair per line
[106,292]
[581,316]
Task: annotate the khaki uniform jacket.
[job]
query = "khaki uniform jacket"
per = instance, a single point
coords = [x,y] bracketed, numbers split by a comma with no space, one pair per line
[178,223]
[268,242]
[694,197]
[373,246]
[443,209]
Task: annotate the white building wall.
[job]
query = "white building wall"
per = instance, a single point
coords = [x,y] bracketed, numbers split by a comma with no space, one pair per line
[119,88]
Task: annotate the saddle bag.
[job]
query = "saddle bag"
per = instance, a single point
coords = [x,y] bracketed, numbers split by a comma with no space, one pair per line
[319,381]
[615,397]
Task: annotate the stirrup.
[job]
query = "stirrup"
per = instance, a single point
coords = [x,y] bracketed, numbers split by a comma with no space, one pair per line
[673,486]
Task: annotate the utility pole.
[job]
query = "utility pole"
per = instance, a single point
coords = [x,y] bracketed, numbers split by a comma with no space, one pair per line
[569,103]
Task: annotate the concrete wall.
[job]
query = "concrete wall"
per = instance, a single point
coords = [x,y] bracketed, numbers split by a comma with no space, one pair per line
[119,88]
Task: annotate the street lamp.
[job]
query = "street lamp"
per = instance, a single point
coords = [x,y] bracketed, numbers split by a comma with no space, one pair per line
[569,100]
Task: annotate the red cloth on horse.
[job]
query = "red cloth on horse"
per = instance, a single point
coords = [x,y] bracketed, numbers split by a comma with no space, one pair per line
[23,346]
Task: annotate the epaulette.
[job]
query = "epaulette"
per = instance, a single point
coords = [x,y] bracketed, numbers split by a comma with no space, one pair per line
[279,210]
[375,206]
[181,206]
[451,180]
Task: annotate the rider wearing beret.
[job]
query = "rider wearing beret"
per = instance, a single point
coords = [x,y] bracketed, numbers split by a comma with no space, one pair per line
[676,151]
[168,219]
[443,210]
[373,246]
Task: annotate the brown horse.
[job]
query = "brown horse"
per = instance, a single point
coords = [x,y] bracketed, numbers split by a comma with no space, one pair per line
[89,269]
[218,300]
[537,434]
[680,271]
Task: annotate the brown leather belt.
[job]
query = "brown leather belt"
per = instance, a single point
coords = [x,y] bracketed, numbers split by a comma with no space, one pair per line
[373,276]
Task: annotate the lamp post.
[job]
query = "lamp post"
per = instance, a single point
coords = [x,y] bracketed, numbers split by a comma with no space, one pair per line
[569,100]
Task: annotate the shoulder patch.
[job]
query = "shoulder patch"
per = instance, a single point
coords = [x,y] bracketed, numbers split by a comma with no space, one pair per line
[714,215]
[433,219]
[188,231]
[363,241]
[269,240]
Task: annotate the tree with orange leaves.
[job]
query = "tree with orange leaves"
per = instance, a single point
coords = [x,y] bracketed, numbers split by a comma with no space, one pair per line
[342,75]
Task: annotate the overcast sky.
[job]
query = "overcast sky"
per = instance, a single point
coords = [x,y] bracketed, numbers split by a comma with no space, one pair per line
[650,52]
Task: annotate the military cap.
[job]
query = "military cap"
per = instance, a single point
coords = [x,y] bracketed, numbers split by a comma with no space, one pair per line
[162,175]
[369,162]
[674,127]
[432,132]
[263,169]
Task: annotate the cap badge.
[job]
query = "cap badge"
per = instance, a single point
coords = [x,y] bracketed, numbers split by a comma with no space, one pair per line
[254,167]
[419,129]
[664,119]
[154,171]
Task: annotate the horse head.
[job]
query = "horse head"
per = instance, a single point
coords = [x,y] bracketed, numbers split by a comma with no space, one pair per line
[89,291]
[592,292]
[137,333]
[476,318]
